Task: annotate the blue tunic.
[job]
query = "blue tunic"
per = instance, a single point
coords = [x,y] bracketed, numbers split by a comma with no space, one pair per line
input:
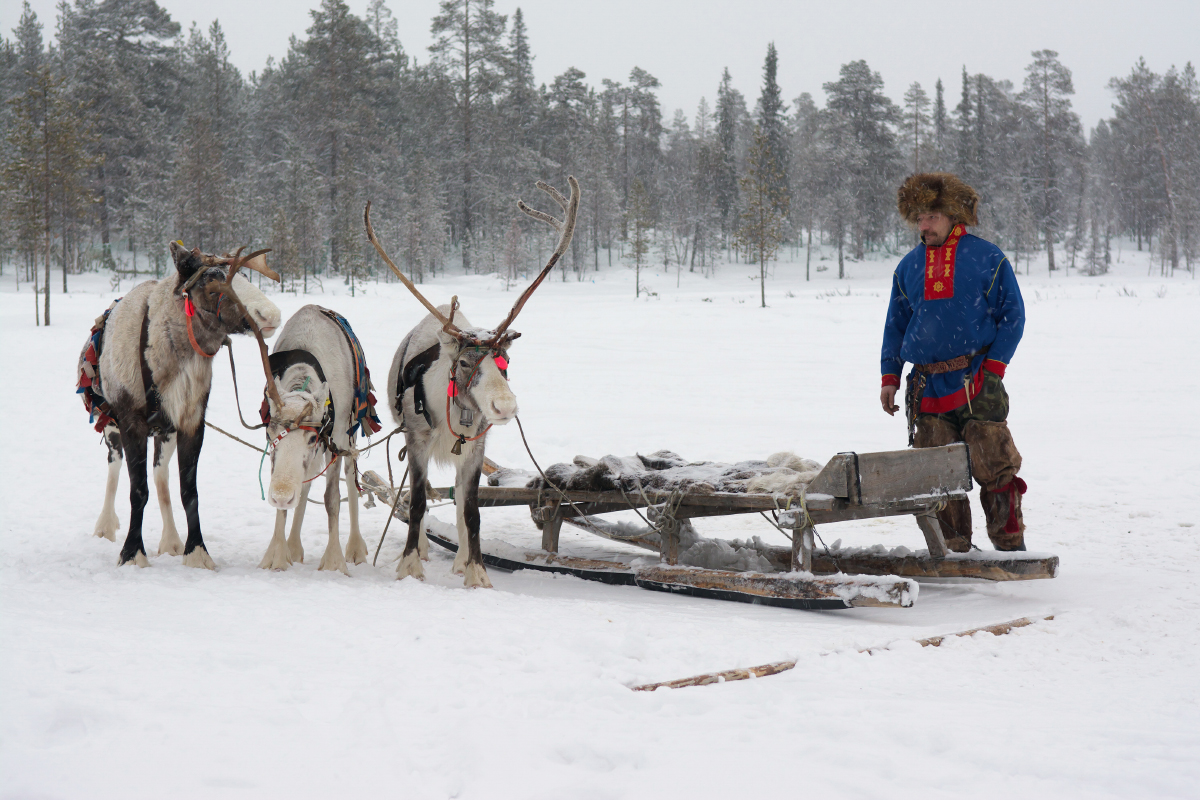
[983,309]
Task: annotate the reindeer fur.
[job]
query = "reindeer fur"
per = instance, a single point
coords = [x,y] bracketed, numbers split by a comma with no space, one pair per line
[301,455]
[183,379]
[491,402]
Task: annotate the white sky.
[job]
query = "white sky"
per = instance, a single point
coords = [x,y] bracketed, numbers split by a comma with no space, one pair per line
[686,43]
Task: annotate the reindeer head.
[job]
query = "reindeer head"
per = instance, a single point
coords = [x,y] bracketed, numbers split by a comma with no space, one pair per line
[479,375]
[479,371]
[298,433]
[205,281]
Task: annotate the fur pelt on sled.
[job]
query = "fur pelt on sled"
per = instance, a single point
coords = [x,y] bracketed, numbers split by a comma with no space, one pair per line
[782,474]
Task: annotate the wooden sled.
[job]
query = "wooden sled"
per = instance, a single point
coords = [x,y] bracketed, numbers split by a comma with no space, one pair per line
[851,486]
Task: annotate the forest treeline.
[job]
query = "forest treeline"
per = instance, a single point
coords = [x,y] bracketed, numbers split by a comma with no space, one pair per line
[128,133]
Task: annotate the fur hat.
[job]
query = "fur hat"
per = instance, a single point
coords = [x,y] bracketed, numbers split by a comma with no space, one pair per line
[937,191]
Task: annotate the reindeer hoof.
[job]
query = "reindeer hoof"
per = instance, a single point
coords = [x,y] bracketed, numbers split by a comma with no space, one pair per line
[475,577]
[460,564]
[410,564]
[356,549]
[199,558]
[276,557]
[139,560]
[169,544]
[333,559]
[107,527]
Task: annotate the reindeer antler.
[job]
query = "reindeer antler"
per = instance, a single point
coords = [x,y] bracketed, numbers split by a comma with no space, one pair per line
[565,228]
[235,262]
[447,325]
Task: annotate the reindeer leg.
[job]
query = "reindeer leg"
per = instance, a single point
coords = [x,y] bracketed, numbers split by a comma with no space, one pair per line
[195,554]
[467,491]
[295,546]
[108,524]
[276,556]
[133,438]
[356,547]
[333,558]
[164,447]
[410,562]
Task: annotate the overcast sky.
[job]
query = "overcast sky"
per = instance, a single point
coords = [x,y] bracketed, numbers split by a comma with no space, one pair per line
[686,43]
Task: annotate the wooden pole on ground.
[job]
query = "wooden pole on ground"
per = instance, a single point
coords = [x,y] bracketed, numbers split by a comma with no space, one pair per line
[775,668]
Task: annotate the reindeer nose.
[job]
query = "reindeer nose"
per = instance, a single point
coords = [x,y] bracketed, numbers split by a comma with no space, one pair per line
[504,409]
[282,497]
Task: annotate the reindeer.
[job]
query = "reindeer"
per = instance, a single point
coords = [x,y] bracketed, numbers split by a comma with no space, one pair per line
[316,371]
[147,371]
[470,366]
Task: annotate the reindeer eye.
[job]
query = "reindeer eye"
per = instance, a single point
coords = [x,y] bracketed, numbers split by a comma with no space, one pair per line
[312,439]
[463,364]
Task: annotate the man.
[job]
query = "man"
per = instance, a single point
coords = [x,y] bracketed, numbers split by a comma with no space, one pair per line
[956,315]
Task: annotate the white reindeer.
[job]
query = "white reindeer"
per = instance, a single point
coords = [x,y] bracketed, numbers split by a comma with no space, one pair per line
[314,418]
[148,371]
[444,356]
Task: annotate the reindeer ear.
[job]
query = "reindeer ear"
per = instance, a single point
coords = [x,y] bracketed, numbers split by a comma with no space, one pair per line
[185,260]
[447,340]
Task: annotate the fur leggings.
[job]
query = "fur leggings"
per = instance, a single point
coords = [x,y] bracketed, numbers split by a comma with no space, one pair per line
[995,462]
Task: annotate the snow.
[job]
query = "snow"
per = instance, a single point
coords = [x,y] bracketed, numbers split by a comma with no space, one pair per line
[177,682]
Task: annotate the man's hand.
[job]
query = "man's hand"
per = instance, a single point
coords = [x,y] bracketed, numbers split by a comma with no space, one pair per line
[887,397]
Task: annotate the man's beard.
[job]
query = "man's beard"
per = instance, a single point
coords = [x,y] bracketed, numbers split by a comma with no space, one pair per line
[931,239]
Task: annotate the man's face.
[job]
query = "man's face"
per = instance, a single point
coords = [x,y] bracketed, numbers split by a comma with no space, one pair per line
[934,228]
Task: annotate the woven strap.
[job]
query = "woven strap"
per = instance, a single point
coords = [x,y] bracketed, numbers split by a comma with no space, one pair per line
[953,365]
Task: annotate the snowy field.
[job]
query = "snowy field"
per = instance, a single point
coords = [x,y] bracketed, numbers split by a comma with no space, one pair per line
[169,682]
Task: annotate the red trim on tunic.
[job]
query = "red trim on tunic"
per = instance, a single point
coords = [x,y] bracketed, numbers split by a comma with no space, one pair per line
[939,267]
[994,366]
[891,380]
[942,405]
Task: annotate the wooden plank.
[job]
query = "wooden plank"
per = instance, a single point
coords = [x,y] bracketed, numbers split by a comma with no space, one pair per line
[835,479]
[550,528]
[936,543]
[668,534]
[985,565]
[901,474]
[781,590]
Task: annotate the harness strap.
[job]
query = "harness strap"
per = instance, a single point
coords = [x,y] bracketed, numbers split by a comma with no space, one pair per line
[412,375]
[189,311]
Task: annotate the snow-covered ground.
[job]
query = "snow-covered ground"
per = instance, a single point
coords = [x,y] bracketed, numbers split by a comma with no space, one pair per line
[173,682]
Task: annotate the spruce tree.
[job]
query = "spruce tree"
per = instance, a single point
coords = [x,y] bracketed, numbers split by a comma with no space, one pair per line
[771,120]
[761,228]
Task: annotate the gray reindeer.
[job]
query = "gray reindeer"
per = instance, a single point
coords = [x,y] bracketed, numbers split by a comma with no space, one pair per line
[446,355]
[322,397]
[147,370]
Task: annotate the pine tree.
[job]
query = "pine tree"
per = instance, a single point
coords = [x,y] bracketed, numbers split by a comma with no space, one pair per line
[1054,137]
[916,123]
[731,108]
[964,132]
[46,155]
[940,127]
[761,228]
[639,223]
[859,102]
[468,48]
